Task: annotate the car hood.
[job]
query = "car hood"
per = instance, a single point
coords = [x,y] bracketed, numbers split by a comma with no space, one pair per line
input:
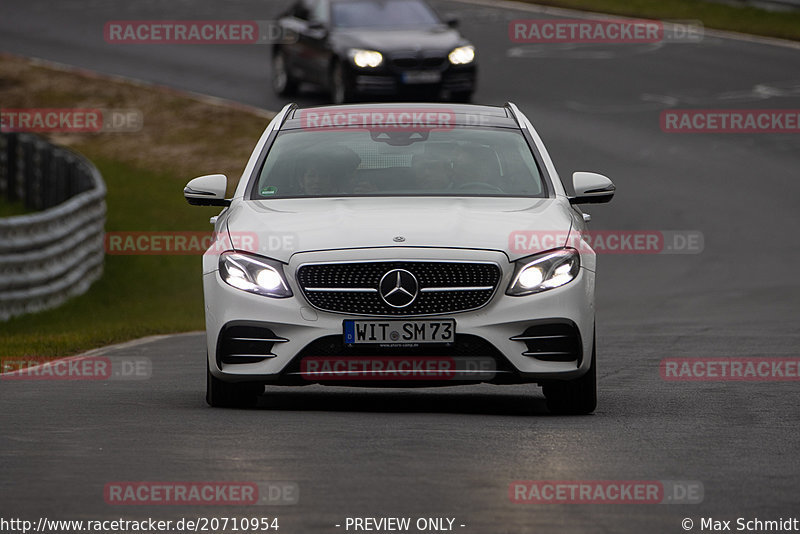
[388,41]
[279,228]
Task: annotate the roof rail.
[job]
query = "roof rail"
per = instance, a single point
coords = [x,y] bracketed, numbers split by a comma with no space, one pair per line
[515,113]
[291,106]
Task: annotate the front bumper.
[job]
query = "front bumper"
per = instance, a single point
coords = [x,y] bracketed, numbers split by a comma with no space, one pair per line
[393,81]
[298,326]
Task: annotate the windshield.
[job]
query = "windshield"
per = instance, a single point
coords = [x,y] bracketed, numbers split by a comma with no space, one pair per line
[457,162]
[382,14]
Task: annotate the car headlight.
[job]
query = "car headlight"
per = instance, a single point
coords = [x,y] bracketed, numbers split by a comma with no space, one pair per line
[366,58]
[544,271]
[254,274]
[462,55]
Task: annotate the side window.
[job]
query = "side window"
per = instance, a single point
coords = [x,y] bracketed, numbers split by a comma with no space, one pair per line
[319,11]
[300,10]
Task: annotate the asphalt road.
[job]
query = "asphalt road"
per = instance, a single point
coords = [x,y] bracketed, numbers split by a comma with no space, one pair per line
[453,452]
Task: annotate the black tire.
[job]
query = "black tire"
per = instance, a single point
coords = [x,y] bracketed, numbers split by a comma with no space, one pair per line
[221,394]
[341,91]
[282,82]
[574,397]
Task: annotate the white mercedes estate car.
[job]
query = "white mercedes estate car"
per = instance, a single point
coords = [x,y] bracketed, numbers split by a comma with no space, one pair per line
[400,245]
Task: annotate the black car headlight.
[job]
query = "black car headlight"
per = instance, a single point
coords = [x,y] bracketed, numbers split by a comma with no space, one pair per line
[254,274]
[366,58]
[544,271]
[462,55]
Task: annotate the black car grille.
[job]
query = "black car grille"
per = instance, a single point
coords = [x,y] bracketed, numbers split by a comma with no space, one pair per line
[553,341]
[443,287]
[244,342]
[418,62]
[465,346]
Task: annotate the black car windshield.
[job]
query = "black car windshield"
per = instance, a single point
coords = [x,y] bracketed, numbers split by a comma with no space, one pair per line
[382,14]
[461,161]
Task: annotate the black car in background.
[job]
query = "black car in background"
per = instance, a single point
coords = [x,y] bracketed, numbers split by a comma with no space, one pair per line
[359,49]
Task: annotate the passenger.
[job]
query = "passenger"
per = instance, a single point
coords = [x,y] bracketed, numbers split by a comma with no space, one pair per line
[329,172]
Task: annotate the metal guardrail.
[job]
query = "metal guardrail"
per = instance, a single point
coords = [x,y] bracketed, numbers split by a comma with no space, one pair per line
[57,252]
[779,3]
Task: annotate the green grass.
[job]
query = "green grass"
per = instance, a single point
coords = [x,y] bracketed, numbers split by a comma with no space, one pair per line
[744,19]
[137,295]
[10,209]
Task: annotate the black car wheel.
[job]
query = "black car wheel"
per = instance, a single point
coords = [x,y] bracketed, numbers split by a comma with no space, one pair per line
[282,82]
[574,397]
[221,394]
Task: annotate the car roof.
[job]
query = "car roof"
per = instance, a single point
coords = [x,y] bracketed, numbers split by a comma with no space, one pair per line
[392,113]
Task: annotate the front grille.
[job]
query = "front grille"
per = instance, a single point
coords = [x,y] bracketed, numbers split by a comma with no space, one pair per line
[443,287]
[432,62]
[464,346]
[242,342]
[405,62]
[418,62]
[552,341]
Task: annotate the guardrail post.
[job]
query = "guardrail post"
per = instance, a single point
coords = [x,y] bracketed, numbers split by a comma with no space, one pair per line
[4,167]
[36,178]
[24,165]
[58,182]
[8,166]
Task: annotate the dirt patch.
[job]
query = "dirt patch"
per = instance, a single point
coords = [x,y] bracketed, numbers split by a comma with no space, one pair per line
[181,135]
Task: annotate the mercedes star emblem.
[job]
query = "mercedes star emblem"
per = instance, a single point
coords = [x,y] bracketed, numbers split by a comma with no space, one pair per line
[398,288]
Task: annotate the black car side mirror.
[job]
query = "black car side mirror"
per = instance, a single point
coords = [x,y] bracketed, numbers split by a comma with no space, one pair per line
[317,27]
[451,20]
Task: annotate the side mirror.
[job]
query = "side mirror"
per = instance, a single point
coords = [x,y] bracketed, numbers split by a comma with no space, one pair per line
[317,29]
[591,188]
[207,191]
[451,20]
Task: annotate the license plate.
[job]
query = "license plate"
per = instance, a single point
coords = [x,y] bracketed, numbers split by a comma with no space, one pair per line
[399,332]
[422,76]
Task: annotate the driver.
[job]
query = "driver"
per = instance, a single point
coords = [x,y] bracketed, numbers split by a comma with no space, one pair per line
[432,173]
[470,167]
